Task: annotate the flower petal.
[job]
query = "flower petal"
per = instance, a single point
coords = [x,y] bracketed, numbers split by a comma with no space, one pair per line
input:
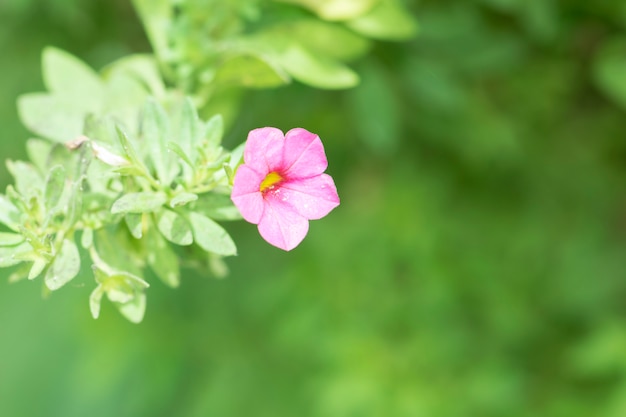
[313,198]
[264,149]
[246,194]
[303,154]
[281,226]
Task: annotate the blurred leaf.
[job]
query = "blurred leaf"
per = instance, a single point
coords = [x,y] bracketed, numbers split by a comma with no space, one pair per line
[135,309]
[64,267]
[315,70]
[191,132]
[326,38]
[9,214]
[55,184]
[336,9]
[38,151]
[66,75]
[609,69]
[95,299]
[217,206]
[388,20]
[210,236]
[174,227]
[52,117]
[183,199]
[251,71]
[155,130]
[37,268]
[10,239]
[142,68]
[13,255]
[156,16]
[162,259]
[140,202]
[134,221]
[214,130]
[28,181]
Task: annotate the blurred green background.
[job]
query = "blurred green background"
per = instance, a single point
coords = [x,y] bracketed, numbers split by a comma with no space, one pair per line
[476,265]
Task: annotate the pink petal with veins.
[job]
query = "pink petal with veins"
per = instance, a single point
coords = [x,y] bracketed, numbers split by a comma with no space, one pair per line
[264,149]
[246,194]
[282,227]
[304,154]
[313,198]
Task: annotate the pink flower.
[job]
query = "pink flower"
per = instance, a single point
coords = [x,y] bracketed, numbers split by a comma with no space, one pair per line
[281,185]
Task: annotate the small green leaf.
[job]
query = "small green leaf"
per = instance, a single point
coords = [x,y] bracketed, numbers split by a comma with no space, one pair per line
[28,181]
[388,21]
[174,227]
[94,301]
[175,147]
[52,117]
[210,236]
[38,151]
[55,184]
[182,199]
[251,71]
[9,214]
[162,259]
[10,239]
[214,130]
[191,132]
[129,149]
[65,266]
[314,69]
[135,309]
[86,239]
[336,9]
[13,255]
[142,67]
[66,75]
[134,221]
[140,202]
[217,206]
[155,130]
[37,268]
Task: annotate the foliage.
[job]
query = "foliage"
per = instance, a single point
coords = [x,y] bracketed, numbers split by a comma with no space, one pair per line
[474,268]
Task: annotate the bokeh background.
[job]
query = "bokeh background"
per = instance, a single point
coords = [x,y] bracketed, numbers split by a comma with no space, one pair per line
[476,265]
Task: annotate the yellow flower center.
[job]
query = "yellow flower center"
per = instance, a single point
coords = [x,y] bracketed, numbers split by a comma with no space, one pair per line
[270,181]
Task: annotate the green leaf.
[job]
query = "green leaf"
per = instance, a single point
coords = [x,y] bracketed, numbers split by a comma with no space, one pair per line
[332,40]
[9,214]
[191,131]
[388,21]
[129,151]
[37,268]
[183,199]
[52,117]
[135,309]
[251,71]
[55,184]
[38,151]
[175,147]
[86,239]
[162,259]
[94,301]
[68,76]
[134,221]
[336,9]
[155,130]
[13,255]
[609,69]
[210,236]
[174,227]
[10,239]
[65,266]
[156,16]
[217,206]
[140,202]
[143,68]
[214,130]
[28,181]
[316,70]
